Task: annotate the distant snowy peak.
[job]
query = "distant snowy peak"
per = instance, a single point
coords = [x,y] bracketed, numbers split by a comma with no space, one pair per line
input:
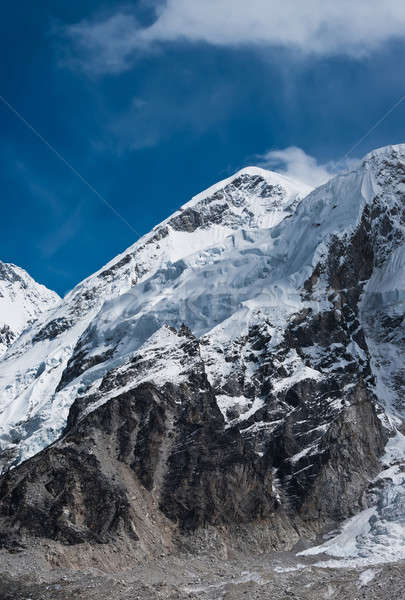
[22,299]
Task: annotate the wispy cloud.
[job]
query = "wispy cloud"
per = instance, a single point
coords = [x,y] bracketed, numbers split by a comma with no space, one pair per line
[63,234]
[104,45]
[37,188]
[63,221]
[150,119]
[297,164]
[110,44]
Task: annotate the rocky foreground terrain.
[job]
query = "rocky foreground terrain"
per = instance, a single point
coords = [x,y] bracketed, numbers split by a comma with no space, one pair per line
[219,411]
[275,576]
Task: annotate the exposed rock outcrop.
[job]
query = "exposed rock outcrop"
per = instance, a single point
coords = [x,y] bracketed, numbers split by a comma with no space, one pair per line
[168,446]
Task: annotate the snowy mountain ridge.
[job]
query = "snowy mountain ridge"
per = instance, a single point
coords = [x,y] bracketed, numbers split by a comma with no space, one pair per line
[223,207]
[21,301]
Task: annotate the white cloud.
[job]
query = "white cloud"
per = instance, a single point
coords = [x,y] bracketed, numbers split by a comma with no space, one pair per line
[149,119]
[297,164]
[312,26]
[63,234]
[104,46]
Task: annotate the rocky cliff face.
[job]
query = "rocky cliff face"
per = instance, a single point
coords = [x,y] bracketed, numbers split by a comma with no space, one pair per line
[164,448]
[166,444]
[246,367]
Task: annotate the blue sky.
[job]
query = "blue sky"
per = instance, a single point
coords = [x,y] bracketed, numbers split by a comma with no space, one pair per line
[152,101]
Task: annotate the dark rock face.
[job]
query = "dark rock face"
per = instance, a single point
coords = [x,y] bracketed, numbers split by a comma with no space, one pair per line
[79,362]
[216,208]
[7,273]
[213,476]
[188,220]
[52,329]
[115,267]
[350,452]
[328,479]
[170,441]
[6,335]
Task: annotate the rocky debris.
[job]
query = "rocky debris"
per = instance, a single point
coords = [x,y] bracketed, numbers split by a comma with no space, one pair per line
[276,576]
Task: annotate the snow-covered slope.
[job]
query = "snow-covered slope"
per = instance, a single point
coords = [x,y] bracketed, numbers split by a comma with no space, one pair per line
[21,300]
[258,275]
[30,373]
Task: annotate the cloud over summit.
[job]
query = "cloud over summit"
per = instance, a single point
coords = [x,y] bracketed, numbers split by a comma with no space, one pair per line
[298,165]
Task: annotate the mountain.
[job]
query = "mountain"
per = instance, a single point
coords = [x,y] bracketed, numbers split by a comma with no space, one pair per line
[21,301]
[238,370]
[32,416]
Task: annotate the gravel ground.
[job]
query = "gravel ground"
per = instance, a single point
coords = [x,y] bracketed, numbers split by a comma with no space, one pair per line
[26,575]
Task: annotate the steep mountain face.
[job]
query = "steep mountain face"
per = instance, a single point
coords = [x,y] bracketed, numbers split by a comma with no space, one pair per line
[30,415]
[243,363]
[21,301]
[152,449]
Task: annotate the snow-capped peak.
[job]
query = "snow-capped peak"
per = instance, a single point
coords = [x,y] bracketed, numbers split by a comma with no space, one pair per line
[22,299]
[389,151]
[253,200]
[250,198]
[292,188]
